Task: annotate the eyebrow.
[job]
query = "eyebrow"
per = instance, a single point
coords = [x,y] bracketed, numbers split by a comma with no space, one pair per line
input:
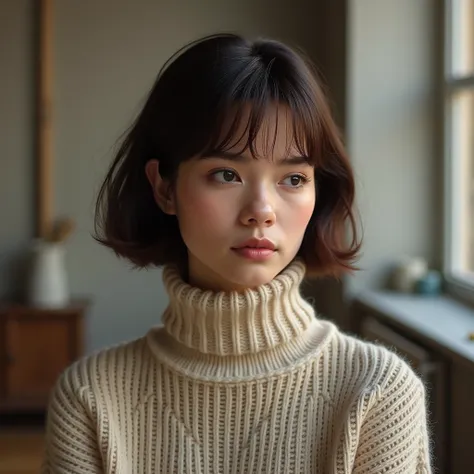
[289,160]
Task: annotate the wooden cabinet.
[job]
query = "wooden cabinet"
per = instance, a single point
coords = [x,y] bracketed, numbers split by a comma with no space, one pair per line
[36,345]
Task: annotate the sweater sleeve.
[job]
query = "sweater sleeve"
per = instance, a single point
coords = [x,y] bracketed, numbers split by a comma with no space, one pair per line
[71,441]
[394,436]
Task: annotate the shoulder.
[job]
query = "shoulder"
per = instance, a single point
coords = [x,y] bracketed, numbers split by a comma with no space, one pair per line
[104,368]
[374,366]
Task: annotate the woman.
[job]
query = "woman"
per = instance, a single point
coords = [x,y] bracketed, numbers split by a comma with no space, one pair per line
[234,178]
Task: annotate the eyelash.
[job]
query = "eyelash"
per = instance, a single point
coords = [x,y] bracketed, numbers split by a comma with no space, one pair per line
[223,170]
[304,179]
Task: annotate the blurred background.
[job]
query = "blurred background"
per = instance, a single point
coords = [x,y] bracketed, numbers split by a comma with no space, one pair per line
[400,76]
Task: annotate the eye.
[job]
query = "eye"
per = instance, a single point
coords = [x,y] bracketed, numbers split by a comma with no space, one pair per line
[295,180]
[225,176]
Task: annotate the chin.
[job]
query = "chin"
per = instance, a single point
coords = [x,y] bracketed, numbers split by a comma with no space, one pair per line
[222,273]
[252,275]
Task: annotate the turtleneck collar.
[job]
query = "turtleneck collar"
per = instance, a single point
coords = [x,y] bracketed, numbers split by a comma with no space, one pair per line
[237,335]
[237,323]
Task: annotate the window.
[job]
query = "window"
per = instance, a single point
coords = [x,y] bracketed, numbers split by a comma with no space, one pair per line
[459,142]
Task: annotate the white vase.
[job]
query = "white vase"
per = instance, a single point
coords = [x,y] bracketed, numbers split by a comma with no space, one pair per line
[48,286]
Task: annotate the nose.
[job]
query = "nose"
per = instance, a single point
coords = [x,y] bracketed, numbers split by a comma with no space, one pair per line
[259,213]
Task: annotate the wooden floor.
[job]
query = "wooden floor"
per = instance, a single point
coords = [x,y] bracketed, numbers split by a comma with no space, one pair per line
[21,451]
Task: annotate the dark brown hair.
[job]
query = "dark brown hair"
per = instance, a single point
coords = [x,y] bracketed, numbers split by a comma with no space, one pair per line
[197,90]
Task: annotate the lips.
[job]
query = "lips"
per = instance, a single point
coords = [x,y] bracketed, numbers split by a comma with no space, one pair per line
[257,244]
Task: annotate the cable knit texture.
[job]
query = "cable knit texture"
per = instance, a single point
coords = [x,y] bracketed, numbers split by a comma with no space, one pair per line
[239,383]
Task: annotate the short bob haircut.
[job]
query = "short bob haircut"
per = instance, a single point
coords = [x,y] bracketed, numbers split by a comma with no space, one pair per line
[200,88]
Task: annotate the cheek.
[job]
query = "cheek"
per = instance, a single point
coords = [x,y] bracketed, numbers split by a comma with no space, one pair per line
[301,212]
[200,209]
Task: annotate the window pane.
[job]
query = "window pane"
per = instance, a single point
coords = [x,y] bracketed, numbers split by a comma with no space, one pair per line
[462,154]
[462,26]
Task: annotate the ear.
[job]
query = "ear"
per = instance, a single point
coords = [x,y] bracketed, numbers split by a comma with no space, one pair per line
[162,190]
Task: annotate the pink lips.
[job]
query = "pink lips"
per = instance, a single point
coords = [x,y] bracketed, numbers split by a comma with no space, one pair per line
[256,249]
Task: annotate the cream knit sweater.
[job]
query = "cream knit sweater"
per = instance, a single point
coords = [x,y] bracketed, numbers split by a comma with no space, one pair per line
[249,383]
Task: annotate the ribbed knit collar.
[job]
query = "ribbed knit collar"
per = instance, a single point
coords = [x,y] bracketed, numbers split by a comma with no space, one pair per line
[234,336]
[237,323]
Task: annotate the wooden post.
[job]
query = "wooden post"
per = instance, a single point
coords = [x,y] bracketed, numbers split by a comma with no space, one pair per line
[44,137]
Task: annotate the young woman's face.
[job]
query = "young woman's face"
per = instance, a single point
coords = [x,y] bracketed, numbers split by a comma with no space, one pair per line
[243,219]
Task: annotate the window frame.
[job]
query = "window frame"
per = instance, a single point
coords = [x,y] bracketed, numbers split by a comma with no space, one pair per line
[458,283]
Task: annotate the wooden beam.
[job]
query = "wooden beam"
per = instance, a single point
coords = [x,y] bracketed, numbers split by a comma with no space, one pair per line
[44,137]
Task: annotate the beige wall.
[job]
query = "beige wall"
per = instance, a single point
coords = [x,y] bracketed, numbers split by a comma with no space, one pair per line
[106,57]
[393,139]
[16,138]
